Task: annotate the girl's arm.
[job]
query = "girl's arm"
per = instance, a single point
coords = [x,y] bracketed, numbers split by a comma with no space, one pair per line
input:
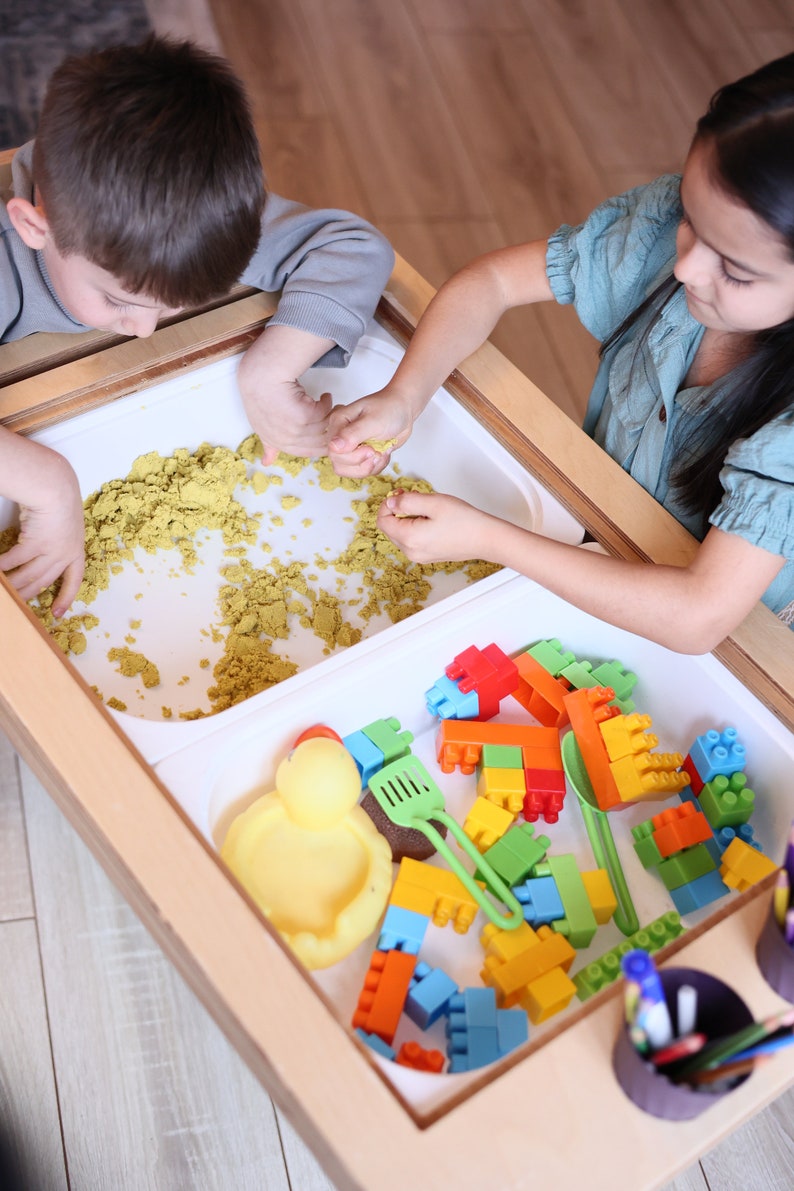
[688,609]
[458,320]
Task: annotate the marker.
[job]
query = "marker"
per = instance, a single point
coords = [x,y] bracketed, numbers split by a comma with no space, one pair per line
[686,1003]
[781,897]
[647,1014]
[770,1047]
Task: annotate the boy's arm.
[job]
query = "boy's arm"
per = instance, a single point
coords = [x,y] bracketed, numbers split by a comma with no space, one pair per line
[52,527]
[330,269]
[458,320]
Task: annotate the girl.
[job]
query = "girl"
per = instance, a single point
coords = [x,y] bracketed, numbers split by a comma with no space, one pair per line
[688,283]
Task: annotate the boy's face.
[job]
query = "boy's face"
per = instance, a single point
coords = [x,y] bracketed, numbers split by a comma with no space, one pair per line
[96,298]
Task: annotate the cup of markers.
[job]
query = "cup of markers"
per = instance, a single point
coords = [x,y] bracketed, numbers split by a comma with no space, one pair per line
[775,947]
[666,1058]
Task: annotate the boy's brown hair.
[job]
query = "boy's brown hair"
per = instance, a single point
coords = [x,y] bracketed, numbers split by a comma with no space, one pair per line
[147,164]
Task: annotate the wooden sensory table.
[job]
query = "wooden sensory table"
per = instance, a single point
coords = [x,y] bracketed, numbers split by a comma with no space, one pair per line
[549,1115]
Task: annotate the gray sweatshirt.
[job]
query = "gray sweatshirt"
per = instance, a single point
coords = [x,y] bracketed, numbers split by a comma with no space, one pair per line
[330,268]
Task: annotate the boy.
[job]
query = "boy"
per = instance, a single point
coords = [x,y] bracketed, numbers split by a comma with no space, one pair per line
[143,193]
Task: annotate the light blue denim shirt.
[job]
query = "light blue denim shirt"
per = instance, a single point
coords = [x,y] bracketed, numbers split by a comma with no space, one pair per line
[605,268]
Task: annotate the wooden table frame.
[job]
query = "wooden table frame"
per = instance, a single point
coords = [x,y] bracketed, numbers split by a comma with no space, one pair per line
[503,1135]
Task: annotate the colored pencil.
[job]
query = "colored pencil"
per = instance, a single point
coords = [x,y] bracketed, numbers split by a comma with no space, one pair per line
[721,1049]
[781,897]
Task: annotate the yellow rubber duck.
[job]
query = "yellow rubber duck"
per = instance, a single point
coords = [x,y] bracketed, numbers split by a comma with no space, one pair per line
[310,858]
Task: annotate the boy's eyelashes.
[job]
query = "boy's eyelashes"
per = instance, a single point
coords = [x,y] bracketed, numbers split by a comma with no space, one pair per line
[115,305]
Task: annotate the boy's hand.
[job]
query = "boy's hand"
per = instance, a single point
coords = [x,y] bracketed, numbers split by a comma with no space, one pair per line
[287,419]
[51,538]
[363,434]
[430,527]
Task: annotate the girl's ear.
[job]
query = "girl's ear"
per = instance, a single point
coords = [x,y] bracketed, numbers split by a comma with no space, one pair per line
[29,222]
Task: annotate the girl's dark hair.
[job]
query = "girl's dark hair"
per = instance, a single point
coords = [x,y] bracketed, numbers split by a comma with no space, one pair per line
[749,127]
[147,164]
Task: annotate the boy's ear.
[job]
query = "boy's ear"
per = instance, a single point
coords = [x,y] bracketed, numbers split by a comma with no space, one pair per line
[29,222]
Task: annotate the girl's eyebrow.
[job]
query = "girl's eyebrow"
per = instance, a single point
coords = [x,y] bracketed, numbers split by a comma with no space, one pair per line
[740,265]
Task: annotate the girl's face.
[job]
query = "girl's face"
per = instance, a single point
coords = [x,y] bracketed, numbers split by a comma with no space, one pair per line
[736,271]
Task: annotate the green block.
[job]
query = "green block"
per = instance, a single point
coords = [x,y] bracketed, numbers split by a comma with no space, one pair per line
[727,801]
[550,655]
[645,845]
[515,855]
[579,924]
[604,971]
[386,735]
[501,756]
[686,866]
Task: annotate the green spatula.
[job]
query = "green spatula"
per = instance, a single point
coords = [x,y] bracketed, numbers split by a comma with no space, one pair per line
[410,798]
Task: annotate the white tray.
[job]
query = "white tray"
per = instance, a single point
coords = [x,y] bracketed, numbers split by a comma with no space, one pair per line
[175,610]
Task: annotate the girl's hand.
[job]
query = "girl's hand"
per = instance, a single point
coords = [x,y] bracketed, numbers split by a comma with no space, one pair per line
[51,539]
[429,527]
[287,419]
[363,434]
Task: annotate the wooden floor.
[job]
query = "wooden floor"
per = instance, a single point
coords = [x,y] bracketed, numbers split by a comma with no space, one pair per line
[456,126]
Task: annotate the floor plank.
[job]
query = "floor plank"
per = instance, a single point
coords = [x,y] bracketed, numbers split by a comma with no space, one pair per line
[31,1152]
[152,1097]
[15,894]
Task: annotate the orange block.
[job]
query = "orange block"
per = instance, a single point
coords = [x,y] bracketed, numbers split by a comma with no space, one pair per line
[539,693]
[382,998]
[680,827]
[459,742]
[586,709]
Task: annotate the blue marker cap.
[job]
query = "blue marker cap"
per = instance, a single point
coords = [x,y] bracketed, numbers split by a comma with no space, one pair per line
[639,967]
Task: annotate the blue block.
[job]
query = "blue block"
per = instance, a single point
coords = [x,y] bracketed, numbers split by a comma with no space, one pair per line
[513,1029]
[367,756]
[476,1047]
[446,700]
[474,1007]
[402,930]
[376,1043]
[540,900]
[429,995]
[698,893]
[742,831]
[717,752]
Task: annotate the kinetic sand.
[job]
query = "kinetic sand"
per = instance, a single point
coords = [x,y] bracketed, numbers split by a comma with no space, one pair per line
[171,503]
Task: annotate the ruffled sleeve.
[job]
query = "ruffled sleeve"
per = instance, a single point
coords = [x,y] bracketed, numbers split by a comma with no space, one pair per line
[607,265]
[758,484]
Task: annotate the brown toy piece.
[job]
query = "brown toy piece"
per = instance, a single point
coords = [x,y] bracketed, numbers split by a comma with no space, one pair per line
[404,841]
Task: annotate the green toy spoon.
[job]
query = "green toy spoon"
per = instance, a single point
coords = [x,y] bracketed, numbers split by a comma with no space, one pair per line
[599,833]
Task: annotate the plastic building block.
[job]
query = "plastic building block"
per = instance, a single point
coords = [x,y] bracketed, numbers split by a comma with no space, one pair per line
[387,736]
[377,1044]
[600,894]
[649,777]
[543,756]
[411,1054]
[367,756]
[515,855]
[402,930]
[549,994]
[502,756]
[478,1033]
[540,900]
[613,674]
[586,709]
[696,783]
[726,835]
[381,1001]
[743,866]
[716,753]
[551,656]
[512,979]
[486,823]
[459,743]
[545,794]
[446,700]
[506,944]
[683,867]
[645,844]
[680,827]
[625,735]
[727,801]
[539,693]
[602,972]
[699,893]
[579,923]
[489,672]
[505,787]
[429,995]
[435,891]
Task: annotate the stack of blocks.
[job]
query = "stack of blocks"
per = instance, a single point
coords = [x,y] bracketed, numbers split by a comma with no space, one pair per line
[704,847]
